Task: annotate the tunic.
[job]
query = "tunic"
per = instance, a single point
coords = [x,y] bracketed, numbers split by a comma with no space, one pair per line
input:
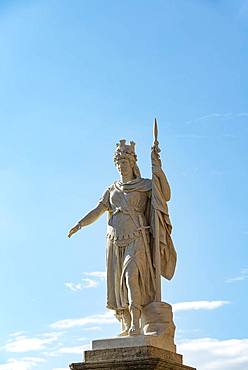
[132,207]
[125,242]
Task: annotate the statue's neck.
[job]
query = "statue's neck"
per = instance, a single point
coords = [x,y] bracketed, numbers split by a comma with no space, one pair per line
[127,178]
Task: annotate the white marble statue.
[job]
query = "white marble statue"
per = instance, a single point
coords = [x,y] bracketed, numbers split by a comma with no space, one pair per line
[139,244]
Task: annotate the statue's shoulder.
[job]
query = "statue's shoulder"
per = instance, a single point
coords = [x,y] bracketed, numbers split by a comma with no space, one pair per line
[147,183]
[112,186]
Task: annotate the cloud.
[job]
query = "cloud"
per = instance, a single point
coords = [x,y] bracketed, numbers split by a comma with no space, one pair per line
[106,318]
[73,286]
[75,349]
[243,275]
[207,117]
[17,333]
[22,343]
[219,116]
[242,114]
[93,328]
[215,354]
[87,282]
[97,274]
[25,363]
[198,305]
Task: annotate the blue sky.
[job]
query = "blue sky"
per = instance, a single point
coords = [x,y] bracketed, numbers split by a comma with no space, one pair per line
[75,78]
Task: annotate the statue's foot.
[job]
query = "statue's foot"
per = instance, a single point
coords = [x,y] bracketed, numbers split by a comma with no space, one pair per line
[126,323]
[123,333]
[134,330]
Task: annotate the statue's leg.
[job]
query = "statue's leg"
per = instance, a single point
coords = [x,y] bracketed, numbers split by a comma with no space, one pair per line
[134,297]
[126,322]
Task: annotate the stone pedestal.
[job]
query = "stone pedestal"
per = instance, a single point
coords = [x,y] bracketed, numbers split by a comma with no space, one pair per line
[133,341]
[110,354]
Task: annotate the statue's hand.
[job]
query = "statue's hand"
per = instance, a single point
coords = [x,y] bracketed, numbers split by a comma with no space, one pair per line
[73,230]
[156,162]
[156,169]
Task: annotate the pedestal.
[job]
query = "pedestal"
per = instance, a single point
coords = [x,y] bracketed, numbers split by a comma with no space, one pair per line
[110,354]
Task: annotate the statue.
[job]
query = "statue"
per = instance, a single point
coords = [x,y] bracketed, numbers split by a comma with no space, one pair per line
[139,244]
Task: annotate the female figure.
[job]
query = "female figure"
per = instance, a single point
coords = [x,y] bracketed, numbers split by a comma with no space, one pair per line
[132,203]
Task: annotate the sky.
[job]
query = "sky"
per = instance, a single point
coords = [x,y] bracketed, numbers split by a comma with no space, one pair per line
[76,77]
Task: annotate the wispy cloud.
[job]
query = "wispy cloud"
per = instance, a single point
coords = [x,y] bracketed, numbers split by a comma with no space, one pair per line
[198,305]
[243,275]
[25,363]
[97,274]
[243,114]
[219,116]
[22,343]
[17,333]
[215,354]
[87,282]
[74,349]
[75,287]
[106,318]
[93,328]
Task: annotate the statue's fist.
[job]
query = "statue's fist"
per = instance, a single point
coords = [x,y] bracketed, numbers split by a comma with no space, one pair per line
[156,161]
[73,230]
[155,155]
[156,169]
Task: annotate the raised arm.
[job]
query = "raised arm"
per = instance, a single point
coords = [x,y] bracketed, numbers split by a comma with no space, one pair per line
[91,217]
[159,173]
[165,187]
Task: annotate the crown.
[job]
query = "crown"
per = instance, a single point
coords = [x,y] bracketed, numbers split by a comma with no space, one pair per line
[125,150]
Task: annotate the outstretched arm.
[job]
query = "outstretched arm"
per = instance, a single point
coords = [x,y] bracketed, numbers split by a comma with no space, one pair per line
[91,217]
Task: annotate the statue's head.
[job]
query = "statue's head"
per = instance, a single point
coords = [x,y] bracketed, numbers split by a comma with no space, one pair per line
[125,158]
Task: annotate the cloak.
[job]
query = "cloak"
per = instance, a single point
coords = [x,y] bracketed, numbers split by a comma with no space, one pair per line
[158,219]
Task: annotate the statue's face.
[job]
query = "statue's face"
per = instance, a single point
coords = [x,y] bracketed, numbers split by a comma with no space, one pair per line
[124,167]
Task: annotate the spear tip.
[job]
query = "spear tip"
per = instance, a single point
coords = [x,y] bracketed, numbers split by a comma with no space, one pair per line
[155,131]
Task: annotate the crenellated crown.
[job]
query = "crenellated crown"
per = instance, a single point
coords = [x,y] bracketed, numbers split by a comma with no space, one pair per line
[124,150]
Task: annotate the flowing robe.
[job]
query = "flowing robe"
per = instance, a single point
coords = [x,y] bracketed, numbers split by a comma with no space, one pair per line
[131,207]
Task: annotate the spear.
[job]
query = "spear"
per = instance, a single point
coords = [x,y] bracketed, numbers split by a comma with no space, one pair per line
[157,261]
